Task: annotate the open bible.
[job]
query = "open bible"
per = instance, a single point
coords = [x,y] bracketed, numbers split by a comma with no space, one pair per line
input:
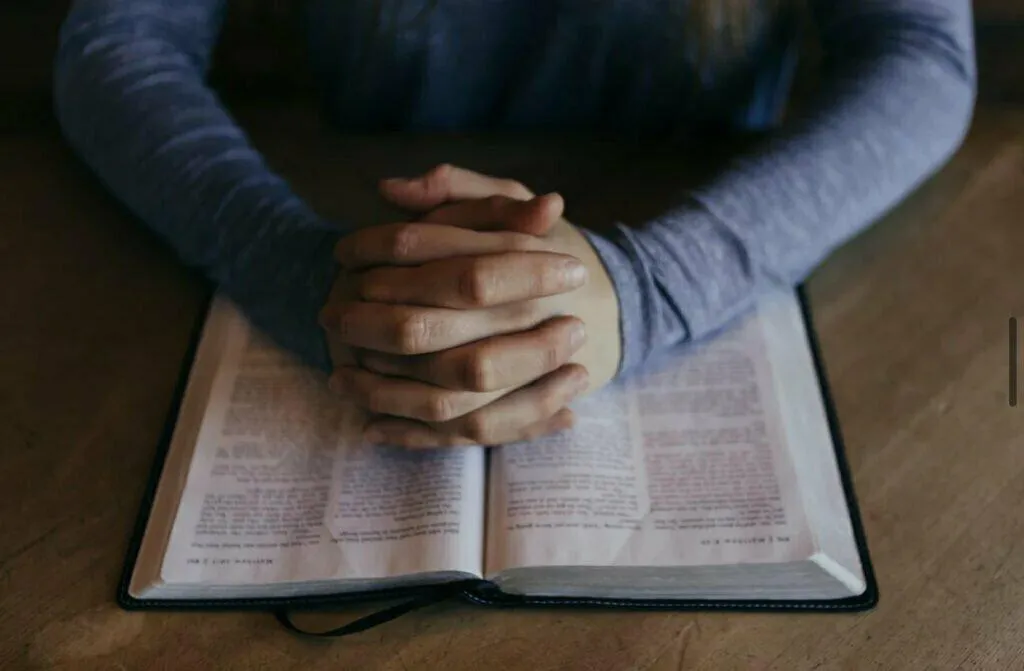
[716,480]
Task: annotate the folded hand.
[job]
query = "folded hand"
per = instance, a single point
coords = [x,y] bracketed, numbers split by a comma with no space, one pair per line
[468,326]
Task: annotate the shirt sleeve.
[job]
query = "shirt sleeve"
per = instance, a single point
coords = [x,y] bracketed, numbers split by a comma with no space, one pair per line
[897,97]
[131,99]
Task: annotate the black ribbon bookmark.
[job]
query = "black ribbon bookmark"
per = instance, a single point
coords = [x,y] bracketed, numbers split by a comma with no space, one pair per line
[284,616]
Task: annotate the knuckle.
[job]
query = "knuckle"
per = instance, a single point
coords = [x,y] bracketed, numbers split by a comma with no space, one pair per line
[496,203]
[441,171]
[475,284]
[478,428]
[412,333]
[439,408]
[404,241]
[521,242]
[438,179]
[526,314]
[478,372]
[370,288]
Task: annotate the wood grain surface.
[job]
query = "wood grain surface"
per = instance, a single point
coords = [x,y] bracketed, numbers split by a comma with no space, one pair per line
[912,318]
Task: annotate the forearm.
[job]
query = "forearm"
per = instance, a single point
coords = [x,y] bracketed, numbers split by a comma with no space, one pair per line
[131,99]
[896,104]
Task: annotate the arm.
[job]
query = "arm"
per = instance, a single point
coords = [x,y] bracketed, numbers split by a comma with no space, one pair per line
[131,100]
[896,103]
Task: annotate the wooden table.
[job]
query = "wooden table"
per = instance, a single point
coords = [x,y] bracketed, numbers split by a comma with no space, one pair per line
[913,325]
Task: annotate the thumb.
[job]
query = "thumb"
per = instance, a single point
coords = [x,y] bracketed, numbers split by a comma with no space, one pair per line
[446,183]
[534,217]
[539,217]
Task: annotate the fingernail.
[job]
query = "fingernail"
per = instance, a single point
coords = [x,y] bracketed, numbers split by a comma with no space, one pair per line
[577,335]
[373,435]
[575,273]
[559,204]
[581,383]
[549,203]
[336,384]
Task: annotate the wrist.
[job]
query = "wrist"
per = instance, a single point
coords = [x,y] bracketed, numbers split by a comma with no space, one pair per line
[620,273]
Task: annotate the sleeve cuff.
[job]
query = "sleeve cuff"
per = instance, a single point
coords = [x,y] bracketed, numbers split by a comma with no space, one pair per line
[680,278]
[625,271]
[282,283]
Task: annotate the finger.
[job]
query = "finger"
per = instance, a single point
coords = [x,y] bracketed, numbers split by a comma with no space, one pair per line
[404,329]
[445,183]
[416,243]
[500,213]
[411,399]
[502,362]
[417,435]
[506,420]
[474,281]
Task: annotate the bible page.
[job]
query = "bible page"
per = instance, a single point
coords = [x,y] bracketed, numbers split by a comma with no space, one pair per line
[280,491]
[688,465]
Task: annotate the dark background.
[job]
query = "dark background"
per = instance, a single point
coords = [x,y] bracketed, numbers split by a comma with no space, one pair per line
[260,53]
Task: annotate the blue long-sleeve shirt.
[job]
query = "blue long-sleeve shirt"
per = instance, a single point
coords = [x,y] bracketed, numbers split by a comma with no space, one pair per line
[895,102]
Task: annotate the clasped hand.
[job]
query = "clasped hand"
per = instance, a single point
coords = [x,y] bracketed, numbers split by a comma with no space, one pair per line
[477,323]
